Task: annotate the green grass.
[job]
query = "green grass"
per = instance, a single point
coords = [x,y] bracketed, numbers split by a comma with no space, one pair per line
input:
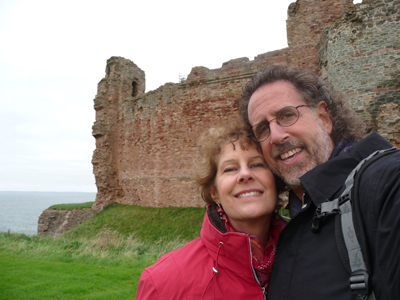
[72,205]
[41,279]
[100,259]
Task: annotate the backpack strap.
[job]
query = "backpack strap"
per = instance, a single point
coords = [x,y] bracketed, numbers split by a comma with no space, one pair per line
[350,233]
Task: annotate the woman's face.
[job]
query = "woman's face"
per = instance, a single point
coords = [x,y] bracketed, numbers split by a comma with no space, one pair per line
[244,185]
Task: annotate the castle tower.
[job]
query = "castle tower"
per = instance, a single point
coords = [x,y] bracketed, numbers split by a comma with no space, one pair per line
[123,81]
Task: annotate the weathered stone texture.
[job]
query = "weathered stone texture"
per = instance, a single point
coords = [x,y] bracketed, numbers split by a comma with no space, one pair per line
[360,54]
[389,118]
[57,221]
[306,20]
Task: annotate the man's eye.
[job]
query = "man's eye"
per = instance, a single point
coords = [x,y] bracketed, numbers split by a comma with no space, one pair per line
[287,116]
[262,129]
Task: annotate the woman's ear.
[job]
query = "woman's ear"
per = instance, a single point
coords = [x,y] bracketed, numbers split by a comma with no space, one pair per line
[214,195]
[323,116]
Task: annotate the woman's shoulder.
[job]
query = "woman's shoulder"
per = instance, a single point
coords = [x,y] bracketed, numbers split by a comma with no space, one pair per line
[173,273]
[186,255]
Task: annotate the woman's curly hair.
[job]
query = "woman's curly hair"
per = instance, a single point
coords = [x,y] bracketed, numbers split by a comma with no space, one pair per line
[346,124]
[211,144]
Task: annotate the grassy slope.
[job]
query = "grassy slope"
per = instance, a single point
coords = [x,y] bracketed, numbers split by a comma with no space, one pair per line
[147,223]
[100,259]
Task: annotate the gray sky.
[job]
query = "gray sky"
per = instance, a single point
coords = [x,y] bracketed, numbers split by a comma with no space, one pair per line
[54,53]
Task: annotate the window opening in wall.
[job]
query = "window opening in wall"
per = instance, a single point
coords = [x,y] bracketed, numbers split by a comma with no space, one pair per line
[134,88]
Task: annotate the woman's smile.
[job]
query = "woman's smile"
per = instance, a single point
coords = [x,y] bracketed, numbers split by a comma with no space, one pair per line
[249,193]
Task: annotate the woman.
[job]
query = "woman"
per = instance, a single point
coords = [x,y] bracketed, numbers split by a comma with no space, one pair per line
[232,258]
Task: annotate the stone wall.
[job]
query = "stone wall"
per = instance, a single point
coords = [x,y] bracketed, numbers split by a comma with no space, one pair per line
[146,143]
[306,20]
[360,54]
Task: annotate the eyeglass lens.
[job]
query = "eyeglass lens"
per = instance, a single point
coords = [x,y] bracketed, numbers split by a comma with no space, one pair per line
[287,116]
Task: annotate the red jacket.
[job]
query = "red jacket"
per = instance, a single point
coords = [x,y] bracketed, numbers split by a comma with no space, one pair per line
[187,273]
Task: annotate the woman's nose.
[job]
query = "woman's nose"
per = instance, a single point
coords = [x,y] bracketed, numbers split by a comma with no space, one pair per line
[245,175]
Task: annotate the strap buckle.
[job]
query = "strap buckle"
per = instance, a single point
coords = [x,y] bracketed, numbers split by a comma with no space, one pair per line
[324,209]
[316,220]
[359,283]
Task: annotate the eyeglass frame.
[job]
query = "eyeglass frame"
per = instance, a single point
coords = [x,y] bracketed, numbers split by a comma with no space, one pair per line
[253,136]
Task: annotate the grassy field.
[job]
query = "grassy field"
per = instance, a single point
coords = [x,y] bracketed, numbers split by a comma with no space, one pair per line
[100,259]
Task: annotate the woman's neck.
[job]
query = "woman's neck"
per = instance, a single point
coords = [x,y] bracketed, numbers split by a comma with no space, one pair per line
[259,228]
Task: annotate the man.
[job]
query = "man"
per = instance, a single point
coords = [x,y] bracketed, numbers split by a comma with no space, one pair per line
[312,139]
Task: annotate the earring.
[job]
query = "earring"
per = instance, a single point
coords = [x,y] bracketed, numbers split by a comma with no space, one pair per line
[220,210]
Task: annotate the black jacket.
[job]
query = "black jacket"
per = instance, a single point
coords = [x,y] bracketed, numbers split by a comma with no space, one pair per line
[307,265]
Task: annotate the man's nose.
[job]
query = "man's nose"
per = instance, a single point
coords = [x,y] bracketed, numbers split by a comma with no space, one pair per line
[278,134]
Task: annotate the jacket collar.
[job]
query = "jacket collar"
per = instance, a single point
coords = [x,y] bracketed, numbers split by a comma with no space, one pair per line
[322,182]
[234,252]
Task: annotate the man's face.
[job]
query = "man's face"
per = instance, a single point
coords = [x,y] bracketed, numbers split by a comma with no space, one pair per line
[291,151]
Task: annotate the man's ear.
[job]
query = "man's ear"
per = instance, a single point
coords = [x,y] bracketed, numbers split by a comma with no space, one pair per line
[323,116]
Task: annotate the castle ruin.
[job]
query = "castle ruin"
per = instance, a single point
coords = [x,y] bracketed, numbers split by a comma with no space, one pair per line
[146,142]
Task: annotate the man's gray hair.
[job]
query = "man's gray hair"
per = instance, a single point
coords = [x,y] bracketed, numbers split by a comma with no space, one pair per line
[346,124]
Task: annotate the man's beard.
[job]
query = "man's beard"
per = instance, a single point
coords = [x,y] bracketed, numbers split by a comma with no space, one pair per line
[321,149]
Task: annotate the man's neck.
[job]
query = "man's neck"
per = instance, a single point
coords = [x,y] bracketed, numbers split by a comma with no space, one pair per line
[299,193]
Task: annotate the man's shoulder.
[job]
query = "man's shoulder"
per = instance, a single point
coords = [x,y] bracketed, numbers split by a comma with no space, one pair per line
[386,162]
[387,165]
[379,185]
[365,148]
[369,144]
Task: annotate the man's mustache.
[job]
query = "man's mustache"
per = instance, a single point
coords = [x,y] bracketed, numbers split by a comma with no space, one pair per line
[286,146]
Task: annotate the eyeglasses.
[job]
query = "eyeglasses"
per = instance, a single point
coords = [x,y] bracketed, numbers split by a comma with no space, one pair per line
[286,117]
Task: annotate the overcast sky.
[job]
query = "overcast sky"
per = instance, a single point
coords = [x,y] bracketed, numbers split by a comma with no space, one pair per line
[54,53]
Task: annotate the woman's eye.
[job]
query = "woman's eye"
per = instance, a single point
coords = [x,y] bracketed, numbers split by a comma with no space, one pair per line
[257,165]
[229,170]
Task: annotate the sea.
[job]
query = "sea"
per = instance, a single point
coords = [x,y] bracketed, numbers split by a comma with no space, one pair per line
[20,211]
